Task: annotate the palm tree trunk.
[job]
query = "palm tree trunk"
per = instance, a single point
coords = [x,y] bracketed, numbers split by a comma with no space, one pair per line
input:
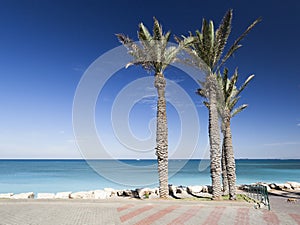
[230,165]
[214,139]
[224,170]
[162,136]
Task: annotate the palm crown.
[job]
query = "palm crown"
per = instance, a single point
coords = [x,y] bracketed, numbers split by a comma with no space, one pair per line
[209,44]
[153,53]
[231,93]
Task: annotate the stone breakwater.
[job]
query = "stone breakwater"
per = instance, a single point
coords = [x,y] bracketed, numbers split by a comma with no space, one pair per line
[178,192]
[288,186]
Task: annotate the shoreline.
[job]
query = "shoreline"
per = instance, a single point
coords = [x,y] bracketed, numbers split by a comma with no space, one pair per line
[288,189]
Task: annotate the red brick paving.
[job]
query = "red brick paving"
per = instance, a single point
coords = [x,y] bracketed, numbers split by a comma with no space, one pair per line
[184,217]
[135,213]
[214,217]
[155,212]
[271,218]
[124,207]
[152,218]
[296,217]
[242,216]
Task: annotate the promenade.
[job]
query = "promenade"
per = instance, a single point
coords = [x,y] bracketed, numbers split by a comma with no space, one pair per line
[144,212]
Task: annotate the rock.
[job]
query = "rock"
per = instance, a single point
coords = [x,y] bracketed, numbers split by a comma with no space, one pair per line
[6,195]
[279,187]
[294,185]
[23,195]
[125,193]
[204,195]
[45,196]
[128,193]
[272,186]
[101,194]
[63,195]
[194,189]
[205,189]
[154,193]
[244,187]
[287,186]
[120,193]
[172,190]
[144,193]
[110,191]
[82,195]
[181,190]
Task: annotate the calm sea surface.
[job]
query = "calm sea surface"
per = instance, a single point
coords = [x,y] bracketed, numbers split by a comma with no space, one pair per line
[78,175]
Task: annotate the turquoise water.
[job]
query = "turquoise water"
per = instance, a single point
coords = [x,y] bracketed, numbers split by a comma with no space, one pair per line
[76,175]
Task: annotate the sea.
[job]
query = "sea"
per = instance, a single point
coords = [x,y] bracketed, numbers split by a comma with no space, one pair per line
[52,176]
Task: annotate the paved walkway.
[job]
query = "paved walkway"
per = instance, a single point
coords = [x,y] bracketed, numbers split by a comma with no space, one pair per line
[140,212]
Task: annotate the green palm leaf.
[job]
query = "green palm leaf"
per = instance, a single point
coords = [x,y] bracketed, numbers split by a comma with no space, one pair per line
[236,44]
[245,84]
[238,110]
[222,34]
[231,94]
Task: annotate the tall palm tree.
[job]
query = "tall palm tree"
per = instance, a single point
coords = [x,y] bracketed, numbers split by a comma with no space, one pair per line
[227,110]
[154,54]
[206,53]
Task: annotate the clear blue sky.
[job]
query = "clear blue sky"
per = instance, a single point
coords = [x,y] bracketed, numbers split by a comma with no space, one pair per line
[45,47]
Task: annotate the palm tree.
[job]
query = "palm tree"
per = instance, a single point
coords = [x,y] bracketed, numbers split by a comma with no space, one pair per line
[154,55]
[206,53]
[227,110]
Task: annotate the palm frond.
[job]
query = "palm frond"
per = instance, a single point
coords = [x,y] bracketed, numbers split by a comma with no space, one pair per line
[144,33]
[145,37]
[236,44]
[231,87]
[207,40]
[198,47]
[225,80]
[202,93]
[170,55]
[153,52]
[231,104]
[167,36]
[222,34]
[231,94]
[157,30]
[123,38]
[206,104]
[244,84]
[133,49]
[238,110]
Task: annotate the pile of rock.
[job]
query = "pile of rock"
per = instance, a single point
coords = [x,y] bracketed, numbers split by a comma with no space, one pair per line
[106,193]
[180,192]
[288,186]
[27,195]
